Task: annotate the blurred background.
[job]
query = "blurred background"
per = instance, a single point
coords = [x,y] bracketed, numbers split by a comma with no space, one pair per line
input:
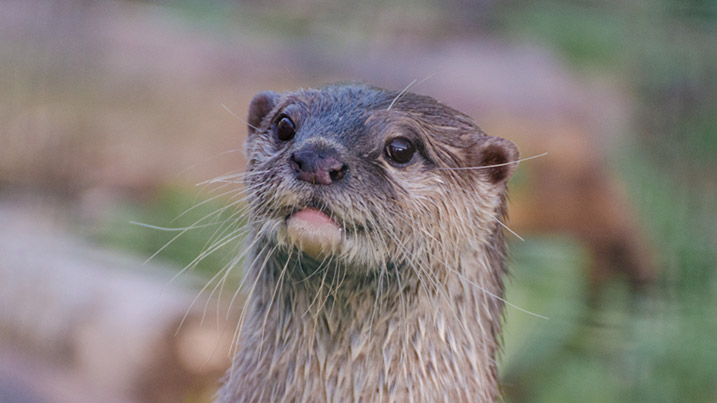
[114,113]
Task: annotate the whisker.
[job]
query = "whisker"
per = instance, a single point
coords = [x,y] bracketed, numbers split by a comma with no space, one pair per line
[403,91]
[226,108]
[473,283]
[502,224]
[491,166]
[171,229]
[203,202]
[192,166]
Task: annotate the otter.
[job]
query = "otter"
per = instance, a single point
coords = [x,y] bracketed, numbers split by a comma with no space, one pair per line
[377,253]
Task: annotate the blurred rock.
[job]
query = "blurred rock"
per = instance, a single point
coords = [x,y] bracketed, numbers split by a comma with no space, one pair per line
[101,321]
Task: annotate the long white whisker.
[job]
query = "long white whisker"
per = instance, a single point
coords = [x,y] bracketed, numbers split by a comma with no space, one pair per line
[473,283]
[403,91]
[411,84]
[238,117]
[502,224]
[492,166]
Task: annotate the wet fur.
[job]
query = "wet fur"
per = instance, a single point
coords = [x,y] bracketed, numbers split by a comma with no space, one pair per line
[409,309]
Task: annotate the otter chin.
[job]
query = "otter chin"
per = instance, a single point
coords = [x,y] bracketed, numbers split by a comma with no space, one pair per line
[376,261]
[313,232]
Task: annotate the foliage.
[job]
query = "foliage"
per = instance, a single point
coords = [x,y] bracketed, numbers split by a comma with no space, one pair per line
[654,345]
[172,210]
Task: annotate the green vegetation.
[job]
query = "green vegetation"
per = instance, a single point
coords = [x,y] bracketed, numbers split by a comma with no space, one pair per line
[656,345]
[173,209]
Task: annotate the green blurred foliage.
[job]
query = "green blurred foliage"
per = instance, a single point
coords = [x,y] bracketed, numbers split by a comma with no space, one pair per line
[656,345]
[180,226]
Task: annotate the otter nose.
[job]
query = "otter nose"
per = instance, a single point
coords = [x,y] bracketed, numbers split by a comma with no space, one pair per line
[318,166]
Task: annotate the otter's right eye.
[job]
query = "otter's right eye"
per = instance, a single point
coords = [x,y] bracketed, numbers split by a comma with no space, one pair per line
[400,150]
[285,129]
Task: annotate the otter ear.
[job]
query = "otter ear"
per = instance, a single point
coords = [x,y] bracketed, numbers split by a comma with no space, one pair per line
[260,106]
[499,157]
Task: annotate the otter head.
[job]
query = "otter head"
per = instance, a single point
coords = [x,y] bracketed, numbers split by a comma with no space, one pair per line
[359,176]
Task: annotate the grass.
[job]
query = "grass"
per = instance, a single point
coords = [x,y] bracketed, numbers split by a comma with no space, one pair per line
[175,208]
[655,346]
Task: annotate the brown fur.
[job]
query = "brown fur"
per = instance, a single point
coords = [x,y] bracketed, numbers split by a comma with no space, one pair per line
[409,308]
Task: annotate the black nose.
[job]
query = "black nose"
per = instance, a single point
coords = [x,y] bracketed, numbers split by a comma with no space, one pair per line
[318,166]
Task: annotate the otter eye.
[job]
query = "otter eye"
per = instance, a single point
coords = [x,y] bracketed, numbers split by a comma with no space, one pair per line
[285,129]
[400,150]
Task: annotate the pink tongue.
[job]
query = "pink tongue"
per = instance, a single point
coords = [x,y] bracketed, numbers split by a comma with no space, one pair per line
[313,232]
[314,218]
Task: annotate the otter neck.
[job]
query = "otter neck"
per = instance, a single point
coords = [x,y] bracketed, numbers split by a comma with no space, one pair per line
[398,337]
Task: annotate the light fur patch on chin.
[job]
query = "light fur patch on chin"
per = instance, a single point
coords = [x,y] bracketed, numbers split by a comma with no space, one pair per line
[314,233]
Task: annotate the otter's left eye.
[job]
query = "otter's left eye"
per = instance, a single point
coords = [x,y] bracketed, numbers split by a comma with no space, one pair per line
[285,129]
[400,150]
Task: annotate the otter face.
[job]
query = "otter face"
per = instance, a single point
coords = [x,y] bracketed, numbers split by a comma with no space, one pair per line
[358,176]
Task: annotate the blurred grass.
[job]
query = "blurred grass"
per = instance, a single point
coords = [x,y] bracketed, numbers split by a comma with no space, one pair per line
[555,268]
[175,208]
[673,334]
[657,345]
[588,35]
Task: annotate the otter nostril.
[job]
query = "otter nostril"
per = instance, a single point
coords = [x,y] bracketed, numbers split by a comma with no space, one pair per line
[295,163]
[337,174]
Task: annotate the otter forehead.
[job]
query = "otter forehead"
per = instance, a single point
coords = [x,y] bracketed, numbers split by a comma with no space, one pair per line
[340,115]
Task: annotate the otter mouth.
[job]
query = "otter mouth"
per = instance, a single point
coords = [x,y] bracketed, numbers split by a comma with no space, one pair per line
[314,232]
[347,226]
